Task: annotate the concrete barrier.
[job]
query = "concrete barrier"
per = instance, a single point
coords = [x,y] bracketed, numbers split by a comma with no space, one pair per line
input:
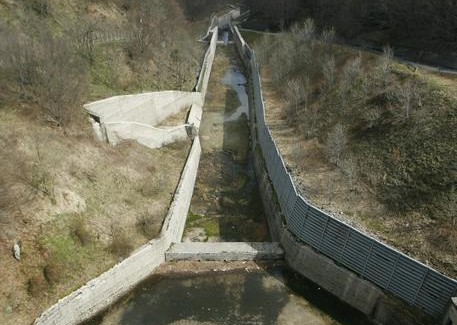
[147,108]
[205,72]
[237,251]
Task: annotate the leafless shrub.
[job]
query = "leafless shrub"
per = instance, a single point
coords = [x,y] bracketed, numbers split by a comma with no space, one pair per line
[47,72]
[36,285]
[121,243]
[83,36]
[146,224]
[385,63]
[79,230]
[262,49]
[328,35]
[329,72]
[336,144]
[350,169]
[309,30]
[154,185]
[294,97]
[409,96]
[41,7]
[351,73]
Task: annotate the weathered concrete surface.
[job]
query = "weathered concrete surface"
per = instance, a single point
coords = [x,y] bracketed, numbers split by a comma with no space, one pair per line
[451,315]
[144,134]
[240,251]
[146,108]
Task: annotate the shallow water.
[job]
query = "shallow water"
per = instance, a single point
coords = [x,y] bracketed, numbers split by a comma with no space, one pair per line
[236,80]
[226,205]
[275,295]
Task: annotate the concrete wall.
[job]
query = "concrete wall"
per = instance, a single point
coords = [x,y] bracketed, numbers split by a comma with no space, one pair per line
[342,283]
[207,65]
[235,251]
[147,108]
[195,116]
[146,135]
[175,221]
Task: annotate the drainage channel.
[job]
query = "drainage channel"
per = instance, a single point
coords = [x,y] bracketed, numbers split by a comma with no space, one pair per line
[226,207]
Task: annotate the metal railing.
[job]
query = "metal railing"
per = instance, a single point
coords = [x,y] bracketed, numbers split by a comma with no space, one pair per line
[414,282]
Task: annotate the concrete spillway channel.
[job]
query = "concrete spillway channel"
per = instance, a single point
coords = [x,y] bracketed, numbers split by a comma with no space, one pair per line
[226,222]
[226,205]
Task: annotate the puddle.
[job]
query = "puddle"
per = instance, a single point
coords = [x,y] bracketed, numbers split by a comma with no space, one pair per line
[275,295]
[236,80]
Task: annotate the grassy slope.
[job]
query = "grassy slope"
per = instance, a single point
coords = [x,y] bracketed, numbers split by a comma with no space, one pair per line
[75,205]
[400,186]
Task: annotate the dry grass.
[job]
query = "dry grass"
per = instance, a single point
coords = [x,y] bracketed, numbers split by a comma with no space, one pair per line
[416,232]
[62,195]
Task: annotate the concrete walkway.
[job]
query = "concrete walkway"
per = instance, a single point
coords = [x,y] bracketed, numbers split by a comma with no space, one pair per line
[235,251]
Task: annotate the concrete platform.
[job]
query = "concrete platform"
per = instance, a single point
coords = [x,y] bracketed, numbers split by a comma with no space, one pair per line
[238,251]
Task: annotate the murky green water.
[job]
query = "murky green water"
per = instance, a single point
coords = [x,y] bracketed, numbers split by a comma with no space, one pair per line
[275,295]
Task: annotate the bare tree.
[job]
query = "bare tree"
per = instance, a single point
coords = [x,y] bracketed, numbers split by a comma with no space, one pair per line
[329,72]
[386,60]
[328,35]
[84,37]
[408,94]
[336,144]
[349,168]
[294,95]
[351,73]
[309,30]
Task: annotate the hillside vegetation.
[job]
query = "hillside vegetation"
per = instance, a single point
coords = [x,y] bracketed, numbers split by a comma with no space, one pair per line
[368,137]
[74,206]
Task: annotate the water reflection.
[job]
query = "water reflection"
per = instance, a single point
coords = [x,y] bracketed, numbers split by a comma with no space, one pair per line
[236,80]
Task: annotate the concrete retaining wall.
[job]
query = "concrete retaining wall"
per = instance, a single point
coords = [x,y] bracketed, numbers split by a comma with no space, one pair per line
[146,135]
[175,221]
[147,108]
[207,65]
[342,283]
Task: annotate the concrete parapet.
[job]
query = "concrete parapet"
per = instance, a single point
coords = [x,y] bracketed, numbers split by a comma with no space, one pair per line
[195,116]
[175,220]
[147,108]
[223,251]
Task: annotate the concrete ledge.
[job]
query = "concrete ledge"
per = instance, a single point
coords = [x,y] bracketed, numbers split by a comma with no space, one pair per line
[238,251]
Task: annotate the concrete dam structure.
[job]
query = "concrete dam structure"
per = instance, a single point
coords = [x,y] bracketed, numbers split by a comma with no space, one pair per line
[378,281]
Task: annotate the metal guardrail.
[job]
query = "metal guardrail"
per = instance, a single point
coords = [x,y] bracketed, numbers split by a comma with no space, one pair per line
[410,280]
